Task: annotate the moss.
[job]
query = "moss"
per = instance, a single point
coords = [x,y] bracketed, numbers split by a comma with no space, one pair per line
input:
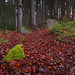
[19,30]
[24,28]
[15,53]
[27,29]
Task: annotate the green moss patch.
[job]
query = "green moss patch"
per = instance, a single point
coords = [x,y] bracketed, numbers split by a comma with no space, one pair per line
[15,53]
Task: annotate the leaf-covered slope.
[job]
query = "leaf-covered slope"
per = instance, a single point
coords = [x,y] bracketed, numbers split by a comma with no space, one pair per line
[43,54]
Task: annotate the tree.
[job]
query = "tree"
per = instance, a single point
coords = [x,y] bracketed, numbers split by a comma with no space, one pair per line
[15,7]
[43,16]
[56,9]
[72,10]
[20,14]
[32,14]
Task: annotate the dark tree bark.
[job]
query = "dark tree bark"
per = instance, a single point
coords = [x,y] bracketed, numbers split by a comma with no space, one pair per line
[43,16]
[56,9]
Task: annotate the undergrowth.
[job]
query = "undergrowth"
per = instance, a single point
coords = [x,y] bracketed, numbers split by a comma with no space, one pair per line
[5,32]
[2,40]
[65,29]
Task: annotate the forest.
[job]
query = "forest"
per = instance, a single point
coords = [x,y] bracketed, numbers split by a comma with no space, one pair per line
[37,37]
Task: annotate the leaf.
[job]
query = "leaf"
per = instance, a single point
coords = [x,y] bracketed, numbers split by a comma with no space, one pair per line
[28,61]
[15,53]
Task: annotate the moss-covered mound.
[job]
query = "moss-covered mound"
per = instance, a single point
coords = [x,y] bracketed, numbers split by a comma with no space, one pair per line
[15,53]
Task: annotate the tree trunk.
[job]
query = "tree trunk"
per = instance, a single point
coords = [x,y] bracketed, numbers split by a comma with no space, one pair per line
[4,15]
[37,14]
[73,13]
[68,10]
[20,14]
[15,8]
[50,10]
[32,15]
[56,9]
[62,8]
[43,17]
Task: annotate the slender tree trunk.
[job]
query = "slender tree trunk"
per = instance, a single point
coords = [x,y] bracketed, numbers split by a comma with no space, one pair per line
[37,16]
[62,8]
[43,17]
[33,21]
[3,1]
[50,10]
[56,9]
[28,19]
[68,10]
[5,4]
[32,15]
[73,13]
[16,20]
[20,14]
[15,8]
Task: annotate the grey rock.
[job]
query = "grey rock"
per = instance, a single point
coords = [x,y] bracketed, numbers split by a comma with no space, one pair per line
[24,30]
[51,22]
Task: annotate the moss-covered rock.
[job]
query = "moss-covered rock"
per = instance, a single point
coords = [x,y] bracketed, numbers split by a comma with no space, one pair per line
[24,30]
[15,53]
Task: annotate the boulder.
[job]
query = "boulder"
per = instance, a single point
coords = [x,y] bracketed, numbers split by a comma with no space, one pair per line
[23,30]
[51,22]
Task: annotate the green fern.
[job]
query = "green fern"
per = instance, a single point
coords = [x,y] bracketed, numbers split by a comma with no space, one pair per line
[15,53]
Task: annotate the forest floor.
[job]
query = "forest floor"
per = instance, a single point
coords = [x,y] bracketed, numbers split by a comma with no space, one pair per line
[43,54]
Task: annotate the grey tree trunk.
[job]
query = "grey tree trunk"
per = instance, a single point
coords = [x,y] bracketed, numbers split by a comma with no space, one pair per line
[43,17]
[16,21]
[20,14]
[33,19]
[73,7]
[15,8]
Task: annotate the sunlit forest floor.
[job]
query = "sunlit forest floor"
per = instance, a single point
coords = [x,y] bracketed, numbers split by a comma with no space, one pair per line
[43,54]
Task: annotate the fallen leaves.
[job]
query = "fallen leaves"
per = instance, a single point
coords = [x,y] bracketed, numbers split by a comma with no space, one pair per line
[44,55]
